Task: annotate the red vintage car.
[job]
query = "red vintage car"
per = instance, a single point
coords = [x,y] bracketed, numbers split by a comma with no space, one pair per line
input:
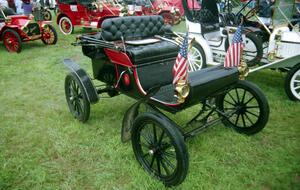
[15,29]
[170,14]
[84,13]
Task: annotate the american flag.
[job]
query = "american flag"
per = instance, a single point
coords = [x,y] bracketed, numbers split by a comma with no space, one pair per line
[180,68]
[234,52]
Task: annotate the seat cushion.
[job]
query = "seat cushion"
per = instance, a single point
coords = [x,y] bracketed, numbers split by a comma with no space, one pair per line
[203,83]
[209,27]
[152,52]
[208,81]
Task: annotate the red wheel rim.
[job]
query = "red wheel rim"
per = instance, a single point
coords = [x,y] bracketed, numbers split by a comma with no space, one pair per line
[177,16]
[48,35]
[47,15]
[11,42]
[168,19]
[66,26]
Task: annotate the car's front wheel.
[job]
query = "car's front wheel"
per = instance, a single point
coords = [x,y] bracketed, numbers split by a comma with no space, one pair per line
[12,41]
[65,25]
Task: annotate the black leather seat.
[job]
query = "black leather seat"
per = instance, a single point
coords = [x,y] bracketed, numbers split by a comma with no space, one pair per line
[203,83]
[152,52]
[208,81]
[209,21]
[209,27]
[137,28]
[132,28]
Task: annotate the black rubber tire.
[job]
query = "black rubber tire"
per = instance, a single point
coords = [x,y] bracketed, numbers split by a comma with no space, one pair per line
[244,101]
[288,79]
[169,15]
[54,33]
[177,18]
[201,51]
[17,37]
[258,45]
[83,113]
[176,142]
[47,16]
[56,11]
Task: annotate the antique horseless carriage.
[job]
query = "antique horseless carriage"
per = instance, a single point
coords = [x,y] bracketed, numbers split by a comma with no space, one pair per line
[84,13]
[15,29]
[213,30]
[281,43]
[273,46]
[135,56]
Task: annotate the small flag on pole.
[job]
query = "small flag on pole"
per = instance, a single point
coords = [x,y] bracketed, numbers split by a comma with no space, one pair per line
[235,50]
[180,68]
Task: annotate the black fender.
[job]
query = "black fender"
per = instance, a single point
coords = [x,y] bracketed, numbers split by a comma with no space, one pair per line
[85,80]
[128,120]
[133,112]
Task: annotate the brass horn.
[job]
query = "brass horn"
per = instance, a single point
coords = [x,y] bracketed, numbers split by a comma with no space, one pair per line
[243,69]
[182,87]
[183,90]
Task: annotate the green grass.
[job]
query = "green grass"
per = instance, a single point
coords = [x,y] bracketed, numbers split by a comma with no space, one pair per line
[43,147]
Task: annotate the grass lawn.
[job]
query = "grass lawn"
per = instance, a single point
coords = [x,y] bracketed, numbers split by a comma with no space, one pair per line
[43,147]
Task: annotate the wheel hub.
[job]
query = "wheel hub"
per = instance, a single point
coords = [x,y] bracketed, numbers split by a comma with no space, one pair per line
[151,152]
[241,108]
[47,35]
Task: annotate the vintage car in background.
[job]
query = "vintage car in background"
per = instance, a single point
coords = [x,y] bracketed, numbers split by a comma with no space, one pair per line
[84,13]
[45,10]
[274,45]
[170,14]
[15,29]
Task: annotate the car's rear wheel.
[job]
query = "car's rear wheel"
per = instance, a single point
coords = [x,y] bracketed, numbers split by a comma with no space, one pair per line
[56,10]
[292,83]
[253,50]
[65,25]
[12,41]
[76,97]
[168,18]
[196,58]
[177,17]
[47,15]
[49,35]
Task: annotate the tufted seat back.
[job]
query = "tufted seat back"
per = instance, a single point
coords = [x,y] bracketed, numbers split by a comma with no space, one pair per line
[209,21]
[133,27]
